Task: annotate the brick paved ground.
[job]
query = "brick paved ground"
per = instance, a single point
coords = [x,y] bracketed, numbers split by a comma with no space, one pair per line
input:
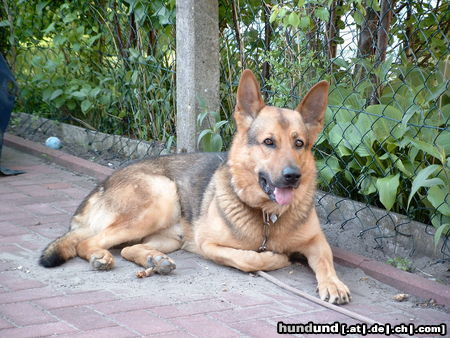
[199,299]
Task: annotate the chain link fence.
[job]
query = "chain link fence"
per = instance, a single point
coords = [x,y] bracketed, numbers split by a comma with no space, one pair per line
[386,137]
[383,165]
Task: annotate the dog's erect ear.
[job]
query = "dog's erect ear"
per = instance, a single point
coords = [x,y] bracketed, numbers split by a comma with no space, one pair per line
[313,107]
[248,101]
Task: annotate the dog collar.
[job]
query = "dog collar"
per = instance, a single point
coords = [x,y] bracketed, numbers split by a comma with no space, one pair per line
[267,219]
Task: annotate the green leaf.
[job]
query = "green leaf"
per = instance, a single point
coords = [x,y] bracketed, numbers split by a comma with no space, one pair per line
[322,13]
[94,38]
[50,28]
[216,143]
[78,94]
[387,189]
[422,180]
[358,17]
[274,14]
[439,198]
[59,101]
[140,12]
[202,135]
[338,140]
[79,30]
[163,15]
[134,52]
[348,135]
[428,148]
[367,185]
[375,5]
[86,105]
[413,109]
[59,40]
[134,77]
[443,141]
[442,230]
[399,164]
[305,21]
[71,105]
[219,125]
[201,117]
[4,23]
[328,168]
[387,121]
[293,19]
[46,94]
[437,91]
[215,114]
[336,135]
[364,126]
[55,94]
[69,18]
[36,61]
[40,6]
[95,92]
[341,62]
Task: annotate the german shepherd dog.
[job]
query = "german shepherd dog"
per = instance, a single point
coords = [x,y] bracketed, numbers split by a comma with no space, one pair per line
[251,208]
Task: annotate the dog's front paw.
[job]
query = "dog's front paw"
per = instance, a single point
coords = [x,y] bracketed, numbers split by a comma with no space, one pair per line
[102,260]
[334,291]
[161,264]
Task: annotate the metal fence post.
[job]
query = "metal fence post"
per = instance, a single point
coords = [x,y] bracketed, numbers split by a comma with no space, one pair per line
[197,39]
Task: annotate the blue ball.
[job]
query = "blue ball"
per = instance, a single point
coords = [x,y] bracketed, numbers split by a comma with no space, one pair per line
[53,142]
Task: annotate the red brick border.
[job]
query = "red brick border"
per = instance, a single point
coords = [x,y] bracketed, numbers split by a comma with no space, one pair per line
[401,280]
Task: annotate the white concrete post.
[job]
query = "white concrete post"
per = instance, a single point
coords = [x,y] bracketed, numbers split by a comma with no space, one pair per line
[198,75]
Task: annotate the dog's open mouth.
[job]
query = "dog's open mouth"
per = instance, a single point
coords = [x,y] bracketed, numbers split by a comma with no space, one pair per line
[280,195]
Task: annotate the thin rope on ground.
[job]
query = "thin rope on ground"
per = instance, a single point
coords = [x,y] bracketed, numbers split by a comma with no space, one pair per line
[320,302]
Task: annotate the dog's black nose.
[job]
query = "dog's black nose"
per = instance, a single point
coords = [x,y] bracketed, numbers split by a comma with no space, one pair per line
[291,175]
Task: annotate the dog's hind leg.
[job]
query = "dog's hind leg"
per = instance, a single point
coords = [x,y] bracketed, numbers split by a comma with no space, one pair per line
[131,218]
[63,248]
[95,249]
[152,253]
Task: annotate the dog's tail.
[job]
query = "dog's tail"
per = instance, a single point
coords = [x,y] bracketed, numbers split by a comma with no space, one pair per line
[63,248]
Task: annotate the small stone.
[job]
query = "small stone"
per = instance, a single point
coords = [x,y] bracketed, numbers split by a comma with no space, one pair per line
[401,297]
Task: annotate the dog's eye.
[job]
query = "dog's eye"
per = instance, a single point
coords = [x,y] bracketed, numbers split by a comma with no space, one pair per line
[299,143]
[268,142]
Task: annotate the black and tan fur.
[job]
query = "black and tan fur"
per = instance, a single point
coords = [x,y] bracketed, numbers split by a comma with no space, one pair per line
[213,203]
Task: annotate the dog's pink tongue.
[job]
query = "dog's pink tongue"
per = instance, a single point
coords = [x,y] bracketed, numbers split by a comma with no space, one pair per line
[284,195]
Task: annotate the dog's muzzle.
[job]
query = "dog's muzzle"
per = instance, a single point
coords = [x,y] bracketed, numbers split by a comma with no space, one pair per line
[282,190]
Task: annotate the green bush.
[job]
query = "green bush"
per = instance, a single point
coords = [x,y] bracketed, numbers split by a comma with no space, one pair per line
[108,70]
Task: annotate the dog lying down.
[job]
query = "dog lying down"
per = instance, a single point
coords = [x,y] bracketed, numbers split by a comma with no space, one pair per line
[251,208]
